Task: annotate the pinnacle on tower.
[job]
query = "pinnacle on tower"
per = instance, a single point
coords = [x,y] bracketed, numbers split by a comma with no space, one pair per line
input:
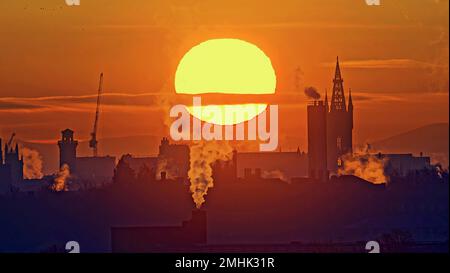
[338,97]
[337,74]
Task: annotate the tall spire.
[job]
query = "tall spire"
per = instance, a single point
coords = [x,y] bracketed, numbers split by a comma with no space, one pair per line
[350,100]
[17,151]
[338,97]
[326,100]
[350,107]
[337,74]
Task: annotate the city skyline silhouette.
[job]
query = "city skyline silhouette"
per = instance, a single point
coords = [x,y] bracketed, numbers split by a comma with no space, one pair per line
[106,145]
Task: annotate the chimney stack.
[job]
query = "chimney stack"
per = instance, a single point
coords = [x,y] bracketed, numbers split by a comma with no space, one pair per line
[163,176]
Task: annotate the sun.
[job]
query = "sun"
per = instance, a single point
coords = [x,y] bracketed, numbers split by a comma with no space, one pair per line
[225,66]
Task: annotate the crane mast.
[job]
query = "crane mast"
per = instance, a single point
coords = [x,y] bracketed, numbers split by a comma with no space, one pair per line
[9,144]
[93,142]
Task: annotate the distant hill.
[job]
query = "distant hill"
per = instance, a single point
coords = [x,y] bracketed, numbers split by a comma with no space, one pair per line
[432,140]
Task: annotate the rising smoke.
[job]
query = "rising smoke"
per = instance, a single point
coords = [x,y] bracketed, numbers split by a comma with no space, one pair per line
[203,155]
[312,93]
[60,182]
[32,164]
[365,165]
[275,174]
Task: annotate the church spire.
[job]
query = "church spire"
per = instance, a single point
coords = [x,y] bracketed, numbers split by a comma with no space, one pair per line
[17,151]
[338,97]
[326,101]
[337,74]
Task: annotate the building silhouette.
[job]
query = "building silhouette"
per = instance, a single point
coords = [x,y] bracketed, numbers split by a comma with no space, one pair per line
[11,168]
[95,171]
[173,160]
[339,123]
[317,141]
[161,238]
[258,215]
[404,164]
[226,170]
[330,128]
[280,164]
[68,150]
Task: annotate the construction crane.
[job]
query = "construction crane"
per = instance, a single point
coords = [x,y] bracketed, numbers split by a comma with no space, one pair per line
[10,141]
[93,142]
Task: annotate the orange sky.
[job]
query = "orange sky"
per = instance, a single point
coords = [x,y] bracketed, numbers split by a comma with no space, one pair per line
[394,57]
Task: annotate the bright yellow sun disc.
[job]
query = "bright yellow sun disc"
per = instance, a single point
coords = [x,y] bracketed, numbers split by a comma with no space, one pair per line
[226,66]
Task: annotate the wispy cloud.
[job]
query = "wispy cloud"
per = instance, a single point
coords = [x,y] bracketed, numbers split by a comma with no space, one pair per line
[152,101]
[386,64]
[6,105]
[262,25]
[77,103]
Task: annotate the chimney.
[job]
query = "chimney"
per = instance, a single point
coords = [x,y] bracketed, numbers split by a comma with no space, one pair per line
[163,176]
[197,227]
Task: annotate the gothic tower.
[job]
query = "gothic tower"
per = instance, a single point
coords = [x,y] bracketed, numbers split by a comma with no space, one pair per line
[14,162]
[317,140]
[339,123]
[68,150]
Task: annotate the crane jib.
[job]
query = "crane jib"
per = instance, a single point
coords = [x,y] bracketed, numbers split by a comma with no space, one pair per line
[93,142]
